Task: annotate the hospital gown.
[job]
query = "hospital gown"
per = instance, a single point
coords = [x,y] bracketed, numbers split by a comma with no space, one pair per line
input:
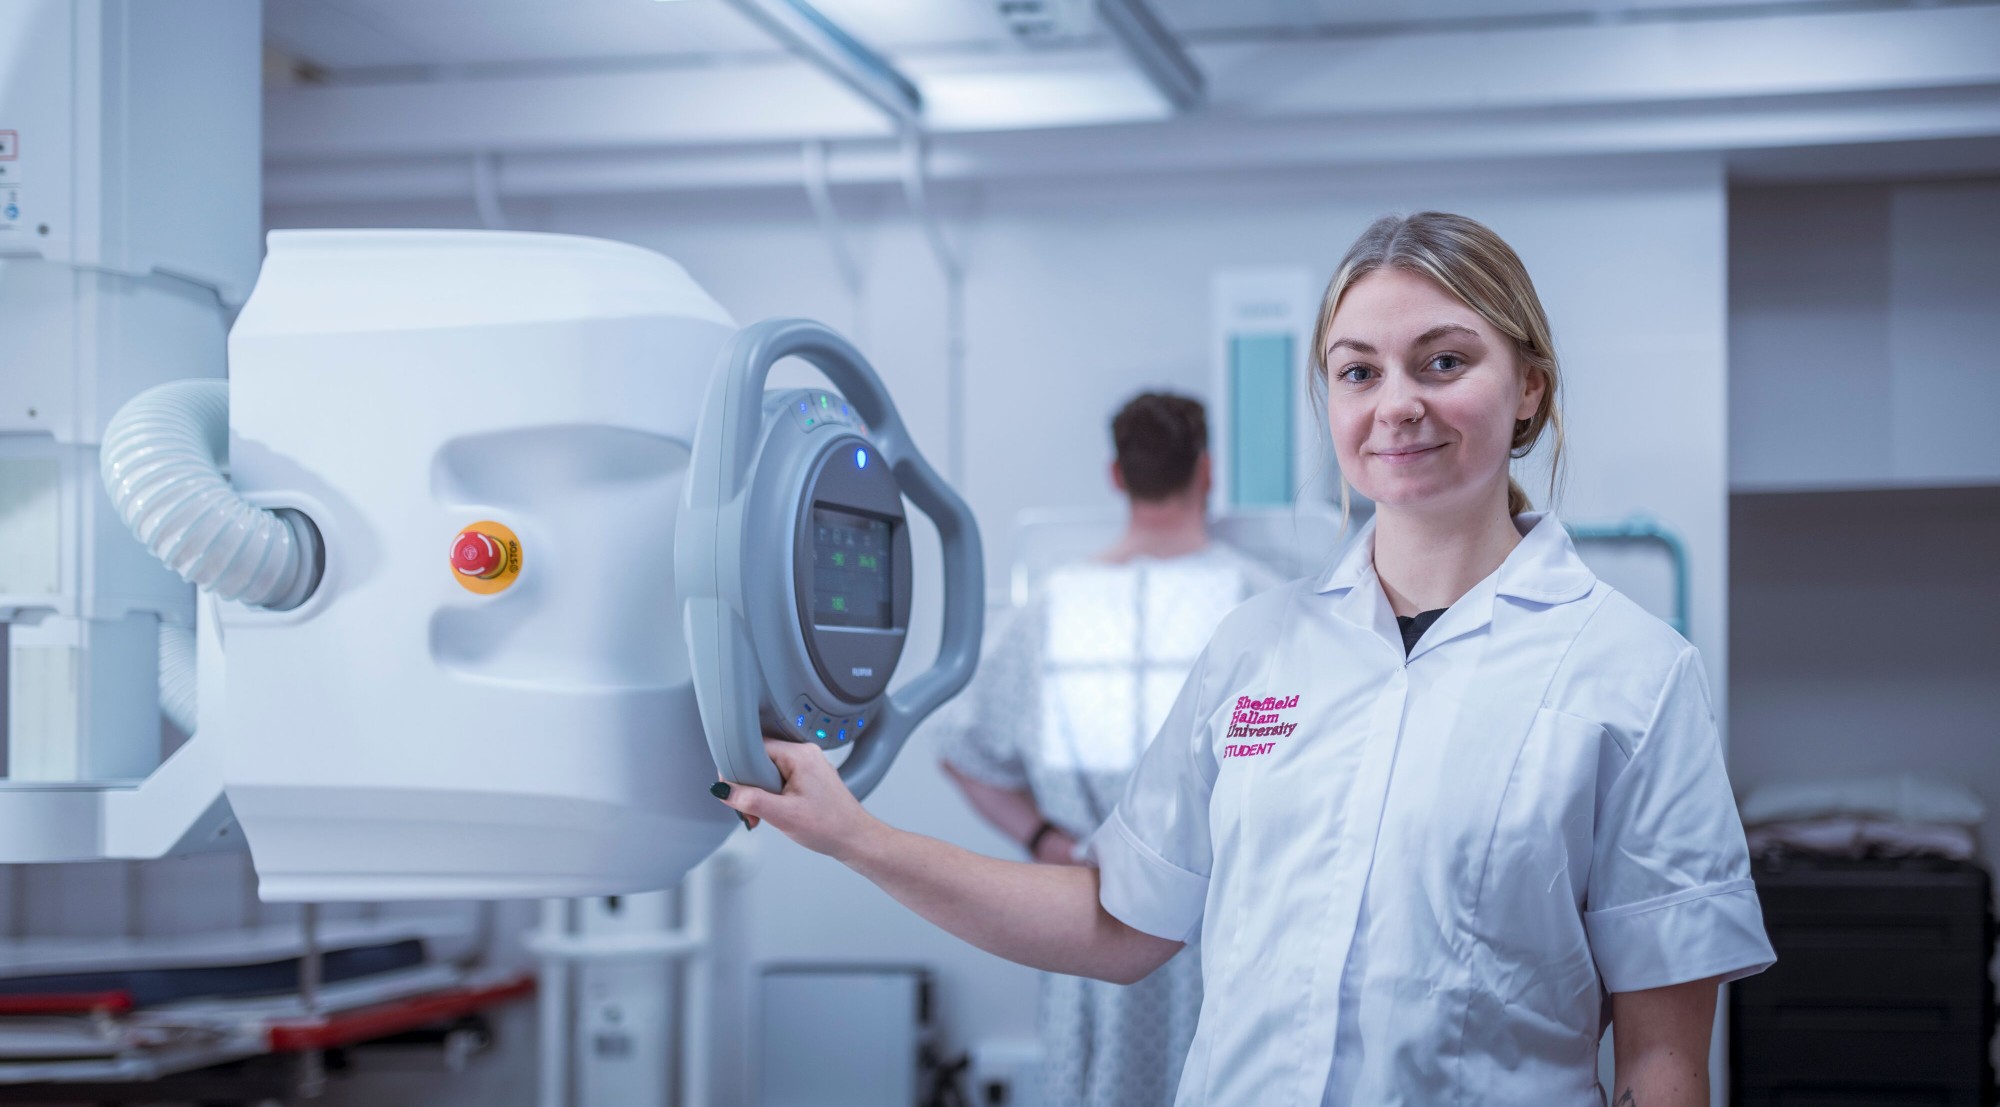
[1068,695]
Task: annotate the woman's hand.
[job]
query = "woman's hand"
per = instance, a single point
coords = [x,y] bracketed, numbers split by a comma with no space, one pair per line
[816,810]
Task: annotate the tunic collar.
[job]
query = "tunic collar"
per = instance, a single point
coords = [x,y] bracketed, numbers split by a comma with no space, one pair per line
[1543,569]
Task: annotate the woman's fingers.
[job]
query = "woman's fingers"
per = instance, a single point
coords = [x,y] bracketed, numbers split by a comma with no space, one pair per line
[814,809]
[792,757]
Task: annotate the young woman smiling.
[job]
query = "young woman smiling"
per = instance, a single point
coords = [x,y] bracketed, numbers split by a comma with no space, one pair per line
[1439,814]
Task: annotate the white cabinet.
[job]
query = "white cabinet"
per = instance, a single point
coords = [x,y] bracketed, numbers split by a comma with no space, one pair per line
[1862,336]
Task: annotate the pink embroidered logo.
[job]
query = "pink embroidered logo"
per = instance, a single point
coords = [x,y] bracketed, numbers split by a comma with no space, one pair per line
[1259,718]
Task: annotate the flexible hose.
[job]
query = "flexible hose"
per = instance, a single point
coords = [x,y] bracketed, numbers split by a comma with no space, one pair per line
[163,461]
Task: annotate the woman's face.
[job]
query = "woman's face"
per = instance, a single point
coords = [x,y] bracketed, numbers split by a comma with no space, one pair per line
[1422,394]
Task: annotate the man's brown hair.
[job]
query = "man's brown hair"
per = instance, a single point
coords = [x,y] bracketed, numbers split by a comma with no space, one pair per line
[1159,436]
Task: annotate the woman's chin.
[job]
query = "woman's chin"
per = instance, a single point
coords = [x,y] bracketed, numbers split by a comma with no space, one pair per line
[1411,495]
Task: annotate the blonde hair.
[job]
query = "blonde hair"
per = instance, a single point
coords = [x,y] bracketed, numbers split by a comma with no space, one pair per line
[1466,259]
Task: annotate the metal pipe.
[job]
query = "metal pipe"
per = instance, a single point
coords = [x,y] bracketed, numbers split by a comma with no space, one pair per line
[311,968]
[813,159]
[552,996]
[1155,50]
[1643,528]
[826,44]
[486,191]
[698,984]
[916,169]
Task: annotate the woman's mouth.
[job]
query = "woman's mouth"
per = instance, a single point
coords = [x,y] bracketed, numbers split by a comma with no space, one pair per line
[1407,455]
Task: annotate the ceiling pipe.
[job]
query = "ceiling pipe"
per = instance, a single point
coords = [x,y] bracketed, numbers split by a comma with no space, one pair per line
[916,190]
[1155,50]
[820,195]
[824,43]
[486,191]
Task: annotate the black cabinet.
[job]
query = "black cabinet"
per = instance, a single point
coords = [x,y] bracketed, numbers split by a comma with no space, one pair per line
[1881,996]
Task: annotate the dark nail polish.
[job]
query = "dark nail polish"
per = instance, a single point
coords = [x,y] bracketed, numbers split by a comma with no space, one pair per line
[720,790]
[746,821]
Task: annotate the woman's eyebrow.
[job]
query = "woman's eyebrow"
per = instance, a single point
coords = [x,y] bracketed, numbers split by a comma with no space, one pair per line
[1443,329]
[1354,344]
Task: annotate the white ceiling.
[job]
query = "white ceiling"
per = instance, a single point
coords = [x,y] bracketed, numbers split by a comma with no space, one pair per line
[337,35]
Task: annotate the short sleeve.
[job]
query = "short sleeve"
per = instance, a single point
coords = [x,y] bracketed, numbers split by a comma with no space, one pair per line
[1153,853]
[1670,895]
[979,731]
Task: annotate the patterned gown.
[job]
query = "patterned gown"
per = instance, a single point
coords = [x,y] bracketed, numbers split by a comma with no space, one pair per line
[1069,693]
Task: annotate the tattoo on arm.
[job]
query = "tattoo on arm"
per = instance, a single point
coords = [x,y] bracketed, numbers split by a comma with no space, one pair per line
[1626,1100]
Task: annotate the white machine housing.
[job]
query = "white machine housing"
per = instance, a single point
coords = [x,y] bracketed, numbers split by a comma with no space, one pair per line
[397,735]
[129,210]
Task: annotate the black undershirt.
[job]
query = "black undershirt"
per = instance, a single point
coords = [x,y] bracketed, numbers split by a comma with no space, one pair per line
[1414,626]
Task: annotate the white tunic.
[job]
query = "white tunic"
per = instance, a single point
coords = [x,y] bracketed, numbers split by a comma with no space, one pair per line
[1417,880]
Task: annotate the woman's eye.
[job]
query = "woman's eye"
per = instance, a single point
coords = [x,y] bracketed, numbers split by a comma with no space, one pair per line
[1354,374]
[1445,363]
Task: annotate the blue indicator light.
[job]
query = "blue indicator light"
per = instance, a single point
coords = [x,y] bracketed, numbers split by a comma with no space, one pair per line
[802,721]
[843,736]
[820,734]
[861,459]
[803,407]
[859,723]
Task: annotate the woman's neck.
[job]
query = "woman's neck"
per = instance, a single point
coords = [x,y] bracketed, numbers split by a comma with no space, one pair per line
[1427,560]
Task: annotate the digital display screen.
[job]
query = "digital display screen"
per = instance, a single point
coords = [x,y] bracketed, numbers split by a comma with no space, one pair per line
[852,582]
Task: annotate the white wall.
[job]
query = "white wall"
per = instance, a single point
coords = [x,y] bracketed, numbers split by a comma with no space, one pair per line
[1082,292]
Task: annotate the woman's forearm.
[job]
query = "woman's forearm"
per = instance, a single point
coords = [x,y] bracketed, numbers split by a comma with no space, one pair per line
[1660,1037]
[1043,916]
[1661,1080]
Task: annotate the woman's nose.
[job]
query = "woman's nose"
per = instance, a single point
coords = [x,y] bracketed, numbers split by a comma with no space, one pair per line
[1400,404]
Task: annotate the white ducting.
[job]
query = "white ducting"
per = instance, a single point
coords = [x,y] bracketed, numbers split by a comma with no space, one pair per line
[163,464]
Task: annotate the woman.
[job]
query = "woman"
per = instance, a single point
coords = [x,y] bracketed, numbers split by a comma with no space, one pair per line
[1435,814]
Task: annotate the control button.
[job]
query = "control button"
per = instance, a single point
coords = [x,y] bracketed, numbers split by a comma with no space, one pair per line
[478,555]
[486,558]
[860,725]
[843,736]
[820,734]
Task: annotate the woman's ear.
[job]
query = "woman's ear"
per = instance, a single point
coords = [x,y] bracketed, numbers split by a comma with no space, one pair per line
[1534,385]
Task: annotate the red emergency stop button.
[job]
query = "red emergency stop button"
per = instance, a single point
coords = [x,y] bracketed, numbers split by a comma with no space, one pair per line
[486,558]
[478,555]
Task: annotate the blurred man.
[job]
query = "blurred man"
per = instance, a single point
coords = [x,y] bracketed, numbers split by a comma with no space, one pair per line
[1069,695]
